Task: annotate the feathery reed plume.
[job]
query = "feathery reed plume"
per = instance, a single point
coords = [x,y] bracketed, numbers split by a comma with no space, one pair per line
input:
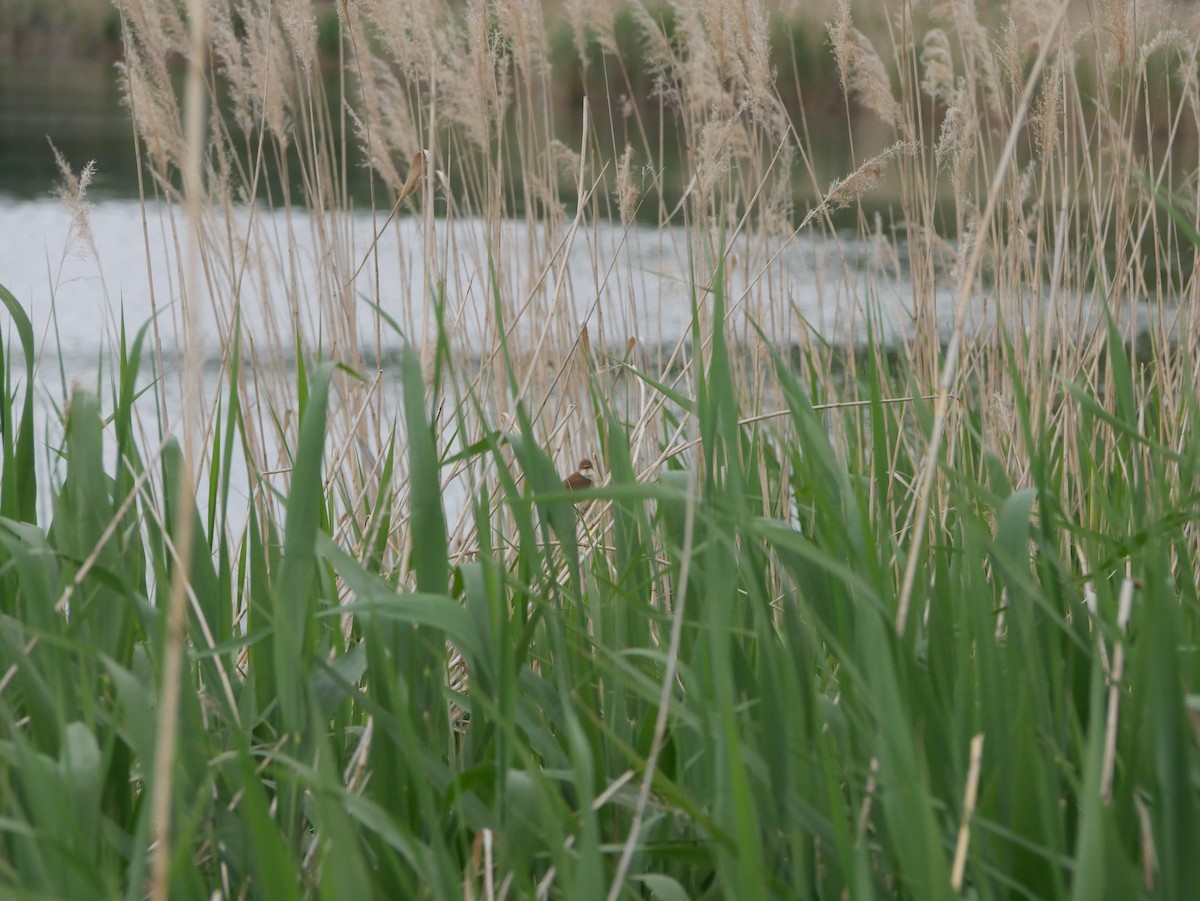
[713,156]
[979,65]
[1046,118]
[382,123]
[411,34]
[1029,23]
[227,59]
[300,26]
[477,99]
[843,191]
[591,20]
[956,142]
[519,22]
[657,53]
[697,63]
[862,71]
[73,193]
[937,65]
[627,192]
[268,74]
[147,90]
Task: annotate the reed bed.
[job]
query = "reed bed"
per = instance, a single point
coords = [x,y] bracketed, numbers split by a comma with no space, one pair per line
[893,594]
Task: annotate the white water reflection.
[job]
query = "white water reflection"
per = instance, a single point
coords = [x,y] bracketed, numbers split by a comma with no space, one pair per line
[299,274]
[290,271]
[621,283]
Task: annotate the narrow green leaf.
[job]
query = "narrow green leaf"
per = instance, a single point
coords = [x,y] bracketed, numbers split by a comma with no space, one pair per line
[429,554]
[294,595]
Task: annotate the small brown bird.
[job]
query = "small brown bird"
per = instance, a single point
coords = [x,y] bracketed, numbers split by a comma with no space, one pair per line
[584,477]
[416,171]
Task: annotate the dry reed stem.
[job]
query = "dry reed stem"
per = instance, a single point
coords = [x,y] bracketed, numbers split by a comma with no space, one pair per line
[1115,688]
[174,637]
[950,364]
[864,810]
[970,794]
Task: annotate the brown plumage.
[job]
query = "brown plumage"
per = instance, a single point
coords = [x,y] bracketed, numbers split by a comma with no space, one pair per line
[584,477]
[416,172]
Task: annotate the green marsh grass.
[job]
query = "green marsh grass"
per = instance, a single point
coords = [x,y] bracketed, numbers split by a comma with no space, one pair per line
[913,618]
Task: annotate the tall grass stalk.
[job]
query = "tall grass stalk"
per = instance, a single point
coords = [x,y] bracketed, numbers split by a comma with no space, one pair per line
[185,491]
[888,588]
